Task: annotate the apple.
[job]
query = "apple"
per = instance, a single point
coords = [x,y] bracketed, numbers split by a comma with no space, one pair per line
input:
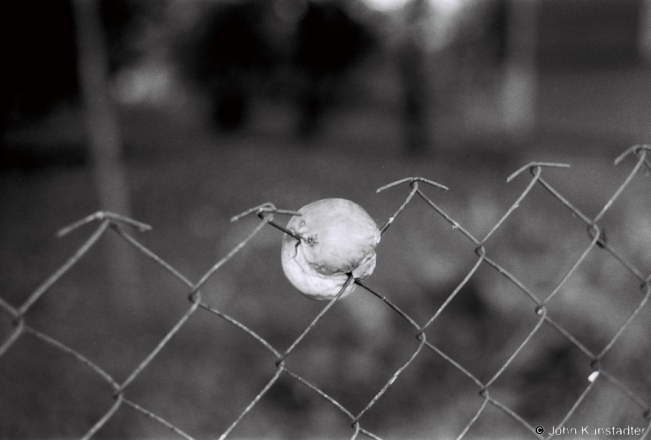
[338,238]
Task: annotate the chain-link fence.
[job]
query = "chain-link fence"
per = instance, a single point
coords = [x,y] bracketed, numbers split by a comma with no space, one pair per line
[632,386]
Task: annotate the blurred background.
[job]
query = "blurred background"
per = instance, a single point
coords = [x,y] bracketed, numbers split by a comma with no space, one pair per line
[184,113]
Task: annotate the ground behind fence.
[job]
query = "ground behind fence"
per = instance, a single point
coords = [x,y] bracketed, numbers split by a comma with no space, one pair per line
[539,327]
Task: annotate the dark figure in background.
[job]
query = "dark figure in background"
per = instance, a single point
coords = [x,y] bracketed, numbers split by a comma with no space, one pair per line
[494,36]
[491,43]
[411,65]
[329,43]
[225,55]
[481,46]
[236,51]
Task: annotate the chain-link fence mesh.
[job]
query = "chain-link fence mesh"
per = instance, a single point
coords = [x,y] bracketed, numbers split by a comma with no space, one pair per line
[631,392]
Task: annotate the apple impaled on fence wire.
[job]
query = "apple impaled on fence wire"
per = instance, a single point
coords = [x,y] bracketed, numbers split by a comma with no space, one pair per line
[337,238]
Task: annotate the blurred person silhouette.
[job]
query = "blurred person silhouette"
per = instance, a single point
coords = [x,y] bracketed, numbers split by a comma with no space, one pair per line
[238,49]
[224,54]
[329,42]
[411,65]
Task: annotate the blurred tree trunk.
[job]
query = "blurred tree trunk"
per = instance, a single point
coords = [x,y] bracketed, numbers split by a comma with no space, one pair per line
[104,137]
[411,65]
[519,90]
[644,32]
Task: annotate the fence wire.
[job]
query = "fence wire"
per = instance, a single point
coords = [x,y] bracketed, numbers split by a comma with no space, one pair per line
[596,239]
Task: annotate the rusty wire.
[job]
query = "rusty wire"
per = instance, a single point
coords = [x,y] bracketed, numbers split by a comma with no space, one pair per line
[266,212]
